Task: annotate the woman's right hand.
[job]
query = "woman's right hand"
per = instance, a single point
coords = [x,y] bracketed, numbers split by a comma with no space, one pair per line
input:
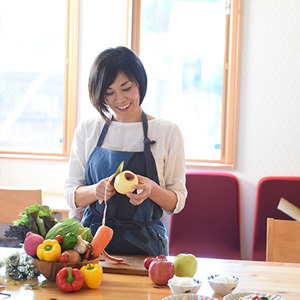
[104,190]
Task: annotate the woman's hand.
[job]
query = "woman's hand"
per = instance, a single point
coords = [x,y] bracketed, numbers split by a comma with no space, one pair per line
[144,187]
[148,188]
[103,185]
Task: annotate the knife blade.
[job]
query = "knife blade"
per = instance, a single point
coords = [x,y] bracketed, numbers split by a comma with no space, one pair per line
[112,177]
[119,170]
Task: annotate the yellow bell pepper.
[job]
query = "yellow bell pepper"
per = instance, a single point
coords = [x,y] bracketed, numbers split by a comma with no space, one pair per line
[49,250]
[92,275]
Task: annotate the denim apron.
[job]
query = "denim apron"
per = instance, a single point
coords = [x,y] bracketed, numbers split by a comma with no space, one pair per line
[137,229]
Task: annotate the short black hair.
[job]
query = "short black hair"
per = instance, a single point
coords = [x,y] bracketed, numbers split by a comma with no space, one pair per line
[105,69]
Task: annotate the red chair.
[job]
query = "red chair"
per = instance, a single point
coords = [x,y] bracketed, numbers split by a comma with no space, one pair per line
[269,192]
[208,226]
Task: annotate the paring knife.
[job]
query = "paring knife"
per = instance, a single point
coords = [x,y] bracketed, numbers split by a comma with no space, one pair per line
[112,177]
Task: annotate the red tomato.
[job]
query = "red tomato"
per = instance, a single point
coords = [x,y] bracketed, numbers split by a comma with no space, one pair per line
[63,258]
[59,238]
[148,261]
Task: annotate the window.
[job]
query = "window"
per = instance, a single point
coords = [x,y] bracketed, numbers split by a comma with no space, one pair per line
[38,76]
[189,49]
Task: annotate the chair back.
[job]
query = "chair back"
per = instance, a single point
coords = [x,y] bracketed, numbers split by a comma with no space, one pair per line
[208,226]
[283,241]
[13,201]
[269,192]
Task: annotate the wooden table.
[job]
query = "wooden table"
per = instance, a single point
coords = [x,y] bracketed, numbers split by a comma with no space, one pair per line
[265,277]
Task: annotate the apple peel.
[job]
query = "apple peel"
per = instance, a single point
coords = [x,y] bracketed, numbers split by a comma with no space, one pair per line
[112,258]
[104,235]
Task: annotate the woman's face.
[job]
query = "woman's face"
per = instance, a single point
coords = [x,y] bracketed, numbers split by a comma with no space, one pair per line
[123,98]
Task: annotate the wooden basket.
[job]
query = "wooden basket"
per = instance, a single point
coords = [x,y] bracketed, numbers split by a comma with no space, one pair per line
[50,269]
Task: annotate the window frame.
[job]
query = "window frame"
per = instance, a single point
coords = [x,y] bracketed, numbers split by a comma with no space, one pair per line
[70,89]
[230,101]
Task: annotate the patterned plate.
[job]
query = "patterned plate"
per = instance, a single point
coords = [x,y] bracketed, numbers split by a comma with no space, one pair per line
[190,296]
[236,296]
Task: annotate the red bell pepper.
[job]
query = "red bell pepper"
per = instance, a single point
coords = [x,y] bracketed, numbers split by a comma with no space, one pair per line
[69,280]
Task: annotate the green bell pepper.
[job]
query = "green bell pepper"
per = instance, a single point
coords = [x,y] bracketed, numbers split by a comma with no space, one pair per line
[70,240]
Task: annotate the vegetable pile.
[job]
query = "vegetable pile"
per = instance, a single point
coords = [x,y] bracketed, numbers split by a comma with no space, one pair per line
[66,241]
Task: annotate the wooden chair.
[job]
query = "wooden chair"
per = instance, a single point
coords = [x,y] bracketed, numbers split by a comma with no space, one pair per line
[13,201]
[269,192]
[208,226]
[283,241]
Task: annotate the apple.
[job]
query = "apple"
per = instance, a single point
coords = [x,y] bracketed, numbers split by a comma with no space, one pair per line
[185,265]
[160,271]
[125,181]
[161,257]
[148,261]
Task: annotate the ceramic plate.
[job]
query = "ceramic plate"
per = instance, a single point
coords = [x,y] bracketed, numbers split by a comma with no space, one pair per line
[190,296]
[236,296]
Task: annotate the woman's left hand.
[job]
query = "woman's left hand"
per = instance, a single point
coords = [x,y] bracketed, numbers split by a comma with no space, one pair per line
[144,188]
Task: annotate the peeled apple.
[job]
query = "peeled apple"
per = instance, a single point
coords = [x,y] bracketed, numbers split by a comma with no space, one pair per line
[125,181]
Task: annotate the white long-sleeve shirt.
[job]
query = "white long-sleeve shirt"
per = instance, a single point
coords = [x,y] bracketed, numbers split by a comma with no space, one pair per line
[168,152]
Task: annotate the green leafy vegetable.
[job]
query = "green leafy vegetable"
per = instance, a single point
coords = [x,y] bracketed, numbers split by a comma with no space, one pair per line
[84,232]
[69,225]
[62,228]
[36,218]
[16,231]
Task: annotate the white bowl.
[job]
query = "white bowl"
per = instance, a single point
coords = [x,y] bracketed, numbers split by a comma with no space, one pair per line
[223,284]
[184,285]
[238,295]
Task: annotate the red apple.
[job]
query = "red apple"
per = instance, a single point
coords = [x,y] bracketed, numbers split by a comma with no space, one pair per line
[161,257]
[160,271]
[148,261]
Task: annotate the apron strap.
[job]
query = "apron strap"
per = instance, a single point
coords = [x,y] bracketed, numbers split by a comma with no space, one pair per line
[150,162]
[104,131]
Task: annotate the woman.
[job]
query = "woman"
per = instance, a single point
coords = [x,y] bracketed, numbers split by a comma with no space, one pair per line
[151,148]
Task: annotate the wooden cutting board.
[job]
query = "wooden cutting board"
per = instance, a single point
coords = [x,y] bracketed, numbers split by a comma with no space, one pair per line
[132,265]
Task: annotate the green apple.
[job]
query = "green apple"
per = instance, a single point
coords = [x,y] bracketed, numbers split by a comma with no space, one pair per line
[125,181]
[185,265]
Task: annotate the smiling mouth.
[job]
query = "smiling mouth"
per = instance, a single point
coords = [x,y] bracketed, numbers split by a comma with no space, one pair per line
[123,107]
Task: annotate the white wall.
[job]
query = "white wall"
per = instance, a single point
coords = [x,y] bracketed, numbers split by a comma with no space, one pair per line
[269,126]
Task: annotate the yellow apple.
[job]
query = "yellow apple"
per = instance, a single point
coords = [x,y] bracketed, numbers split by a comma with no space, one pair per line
[125,181]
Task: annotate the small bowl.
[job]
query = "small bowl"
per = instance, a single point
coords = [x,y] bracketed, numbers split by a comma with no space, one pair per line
[50,269]
[181,285]
[223,284]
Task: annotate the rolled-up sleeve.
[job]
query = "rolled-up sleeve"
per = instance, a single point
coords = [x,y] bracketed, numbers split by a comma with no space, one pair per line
[77,163]
[175,168]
